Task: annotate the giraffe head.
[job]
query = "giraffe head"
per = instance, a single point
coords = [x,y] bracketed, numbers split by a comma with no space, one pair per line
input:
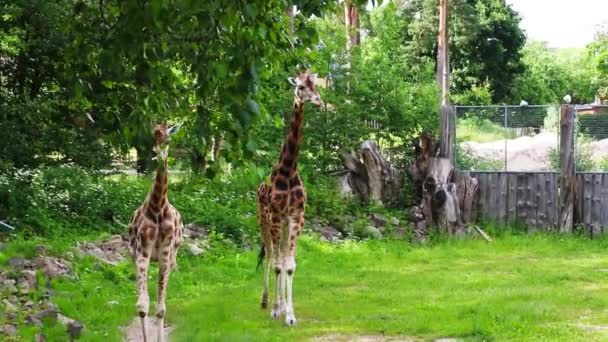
[305,88]
[162,136]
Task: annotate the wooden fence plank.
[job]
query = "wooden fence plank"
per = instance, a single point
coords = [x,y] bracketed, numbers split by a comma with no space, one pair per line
[512,197]
[604,202]
[531,203]
[553,199]
[492,196]
[596,213]
[522,184]
[541,205]
[503,189]
[587,202]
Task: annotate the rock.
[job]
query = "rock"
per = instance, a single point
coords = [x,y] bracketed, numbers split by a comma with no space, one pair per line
[27,281]
[52,267]
[9,329]
[40,337]
[379,220]
[394,221]
[8,306]
[29,304]
[399,233]
[41,250]
[330,233]
[111,257]
[13,299]
[194,231]
[372,232]
[73,327]
[8,285]
[1,245]
[194,249]
[42,315]
[19,263]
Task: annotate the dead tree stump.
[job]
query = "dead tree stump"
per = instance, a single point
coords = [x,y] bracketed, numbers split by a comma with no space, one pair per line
[446,202]
[369,176]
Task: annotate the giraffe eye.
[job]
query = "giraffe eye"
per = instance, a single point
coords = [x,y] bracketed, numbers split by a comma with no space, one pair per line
[301,87]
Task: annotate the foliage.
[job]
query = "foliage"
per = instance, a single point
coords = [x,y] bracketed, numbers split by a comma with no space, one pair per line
[485,42]
[475,128]
[549,77]
[598,54]
[466,160]
[583,158]
[476,96]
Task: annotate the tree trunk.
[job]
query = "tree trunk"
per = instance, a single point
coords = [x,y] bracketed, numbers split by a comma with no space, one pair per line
[446,201]
[351,21]
[368,176]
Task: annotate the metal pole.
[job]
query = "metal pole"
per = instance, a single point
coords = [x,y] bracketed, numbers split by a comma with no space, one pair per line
[506,135]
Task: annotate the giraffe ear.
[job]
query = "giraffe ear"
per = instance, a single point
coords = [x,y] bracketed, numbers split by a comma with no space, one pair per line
[174,129]
[291,80]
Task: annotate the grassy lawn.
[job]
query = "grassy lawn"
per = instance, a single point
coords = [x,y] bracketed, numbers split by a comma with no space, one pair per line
[526,288]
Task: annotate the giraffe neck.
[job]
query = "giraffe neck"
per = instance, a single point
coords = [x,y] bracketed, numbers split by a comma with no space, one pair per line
[291,146]
[158,195]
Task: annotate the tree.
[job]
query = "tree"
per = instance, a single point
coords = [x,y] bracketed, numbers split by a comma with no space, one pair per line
[485,41]
[549,76]
[598,54]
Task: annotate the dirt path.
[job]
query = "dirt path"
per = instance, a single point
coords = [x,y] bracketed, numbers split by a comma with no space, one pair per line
[133,332]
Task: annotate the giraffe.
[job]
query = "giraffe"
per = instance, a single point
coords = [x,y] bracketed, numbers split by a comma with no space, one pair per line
[281,201]
[155,233]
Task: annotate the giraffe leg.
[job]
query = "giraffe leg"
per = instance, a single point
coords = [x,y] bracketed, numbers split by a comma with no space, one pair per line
[165,263]
[278,304]
[290,269]
[142,263]
[267,264]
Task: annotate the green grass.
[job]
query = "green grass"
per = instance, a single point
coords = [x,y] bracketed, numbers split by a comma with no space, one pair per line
[517,288]
[480,130]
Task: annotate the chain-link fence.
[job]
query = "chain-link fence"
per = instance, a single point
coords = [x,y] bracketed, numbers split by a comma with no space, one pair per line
[507,138]
[591,138]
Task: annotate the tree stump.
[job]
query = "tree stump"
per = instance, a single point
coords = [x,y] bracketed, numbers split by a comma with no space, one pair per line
[369,176]
[447,201]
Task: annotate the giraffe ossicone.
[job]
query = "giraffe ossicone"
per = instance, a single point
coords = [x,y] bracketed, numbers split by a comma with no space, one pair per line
[281,201]
[155,233]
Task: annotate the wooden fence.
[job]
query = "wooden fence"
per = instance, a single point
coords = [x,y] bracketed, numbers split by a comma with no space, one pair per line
[557,201]
[533,199]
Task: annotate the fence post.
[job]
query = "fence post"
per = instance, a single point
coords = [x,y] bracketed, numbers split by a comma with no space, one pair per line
[567,169]
[447,131]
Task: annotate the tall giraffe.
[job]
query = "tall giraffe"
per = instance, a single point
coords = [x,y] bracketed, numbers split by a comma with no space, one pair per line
[155,233]
[281,206]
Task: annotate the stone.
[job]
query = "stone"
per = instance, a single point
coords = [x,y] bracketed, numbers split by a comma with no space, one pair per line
[372,232]
[40,337]
[19,263]
[41,250]
[29,304]
[194,231]
[330,233]
[37,319]
[1,245]
[8,306]
[379,220]
[27,281]
[394,221]
[399,233]
[8,285]
[52,267]
[194,249]
[10,329]
[73,327]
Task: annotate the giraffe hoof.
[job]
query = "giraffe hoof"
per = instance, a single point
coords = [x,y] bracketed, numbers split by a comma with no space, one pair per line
[290,320]
[276,313]
[264,305]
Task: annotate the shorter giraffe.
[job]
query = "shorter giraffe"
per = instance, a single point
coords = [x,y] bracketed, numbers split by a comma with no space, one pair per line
[281,203]
[155,233]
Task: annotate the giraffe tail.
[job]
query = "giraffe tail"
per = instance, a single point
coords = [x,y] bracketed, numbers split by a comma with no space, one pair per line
[261,256]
